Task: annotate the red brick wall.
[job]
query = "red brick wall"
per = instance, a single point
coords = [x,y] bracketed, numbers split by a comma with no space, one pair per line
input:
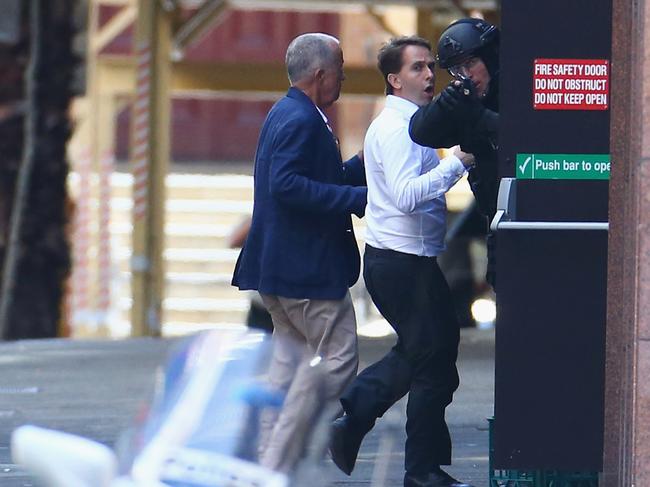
[205,129]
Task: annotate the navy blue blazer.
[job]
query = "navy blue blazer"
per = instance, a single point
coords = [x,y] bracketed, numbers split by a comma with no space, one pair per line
[301,243]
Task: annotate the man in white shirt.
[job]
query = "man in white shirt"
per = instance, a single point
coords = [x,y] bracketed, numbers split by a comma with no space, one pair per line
[406,223]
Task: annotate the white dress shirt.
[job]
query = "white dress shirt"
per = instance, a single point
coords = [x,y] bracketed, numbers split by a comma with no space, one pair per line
[407,182]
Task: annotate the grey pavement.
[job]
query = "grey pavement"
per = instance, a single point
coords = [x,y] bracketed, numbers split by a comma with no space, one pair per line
[95,389]
[467,417]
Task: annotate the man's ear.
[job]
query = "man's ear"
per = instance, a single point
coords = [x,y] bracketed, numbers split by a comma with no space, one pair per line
[394,80]
[319,73]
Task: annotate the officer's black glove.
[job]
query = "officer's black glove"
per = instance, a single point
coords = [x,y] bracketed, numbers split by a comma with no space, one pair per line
[451,98]
[459,99]
[467,87]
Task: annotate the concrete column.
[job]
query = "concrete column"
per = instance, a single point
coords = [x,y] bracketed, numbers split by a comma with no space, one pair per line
[627,400]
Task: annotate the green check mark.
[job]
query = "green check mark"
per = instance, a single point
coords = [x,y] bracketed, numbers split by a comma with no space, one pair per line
[522,167]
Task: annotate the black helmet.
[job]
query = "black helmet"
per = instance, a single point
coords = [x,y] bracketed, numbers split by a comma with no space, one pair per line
[463,39]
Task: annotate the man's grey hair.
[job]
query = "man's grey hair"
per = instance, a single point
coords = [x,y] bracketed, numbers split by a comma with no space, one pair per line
[309,52]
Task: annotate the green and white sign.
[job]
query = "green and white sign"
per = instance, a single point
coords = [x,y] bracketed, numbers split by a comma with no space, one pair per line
[563,166]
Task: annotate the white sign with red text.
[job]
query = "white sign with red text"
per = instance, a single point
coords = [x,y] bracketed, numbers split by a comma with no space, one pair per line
[571,84]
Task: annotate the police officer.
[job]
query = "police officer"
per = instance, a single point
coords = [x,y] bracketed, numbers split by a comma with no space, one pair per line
[466,112]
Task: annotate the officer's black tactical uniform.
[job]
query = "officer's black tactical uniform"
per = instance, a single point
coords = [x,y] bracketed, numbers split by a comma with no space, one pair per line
[458,117]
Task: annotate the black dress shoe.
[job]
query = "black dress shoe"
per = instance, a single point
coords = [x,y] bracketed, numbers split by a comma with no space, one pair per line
[439,478]
[345,441]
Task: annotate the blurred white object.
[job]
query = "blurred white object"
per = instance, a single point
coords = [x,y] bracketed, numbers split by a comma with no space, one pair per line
[61,459]
[200,429]
[484,312]
[376,329]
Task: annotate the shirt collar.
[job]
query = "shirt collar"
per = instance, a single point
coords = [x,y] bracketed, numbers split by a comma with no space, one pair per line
[298,94]
[402,105]
[322,115]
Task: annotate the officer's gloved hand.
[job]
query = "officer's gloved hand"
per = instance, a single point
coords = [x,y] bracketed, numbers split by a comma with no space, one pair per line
[451,97]
[460,99]
[467,87]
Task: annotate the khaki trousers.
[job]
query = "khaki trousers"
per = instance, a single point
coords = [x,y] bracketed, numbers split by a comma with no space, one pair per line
[304,328]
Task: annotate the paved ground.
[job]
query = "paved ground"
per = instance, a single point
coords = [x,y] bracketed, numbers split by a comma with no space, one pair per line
[467,417]
[94,389]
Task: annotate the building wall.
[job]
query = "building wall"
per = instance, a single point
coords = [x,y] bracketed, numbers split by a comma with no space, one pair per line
[627,392]
[214,128]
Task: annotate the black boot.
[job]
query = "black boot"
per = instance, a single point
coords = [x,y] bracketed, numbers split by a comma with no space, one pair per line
[437,478]
[345,441]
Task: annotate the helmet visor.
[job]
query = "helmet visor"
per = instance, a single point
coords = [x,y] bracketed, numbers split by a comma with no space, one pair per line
[462,70]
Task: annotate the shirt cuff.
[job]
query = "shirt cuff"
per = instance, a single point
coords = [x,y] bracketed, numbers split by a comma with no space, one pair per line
[453,164]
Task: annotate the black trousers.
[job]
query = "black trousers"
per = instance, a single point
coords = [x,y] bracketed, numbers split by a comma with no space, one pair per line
[412,294]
